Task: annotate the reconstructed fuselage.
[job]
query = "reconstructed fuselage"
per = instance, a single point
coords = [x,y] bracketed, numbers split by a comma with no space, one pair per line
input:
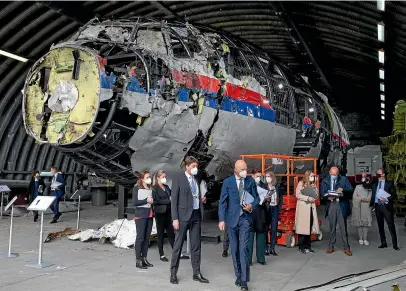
[127,95]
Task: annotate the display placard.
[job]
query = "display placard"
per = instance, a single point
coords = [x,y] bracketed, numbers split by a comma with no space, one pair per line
[4,188]
[10,203]
[46,174]
[41,203]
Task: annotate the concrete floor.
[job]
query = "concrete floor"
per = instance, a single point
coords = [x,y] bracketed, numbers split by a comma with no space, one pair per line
[92,266]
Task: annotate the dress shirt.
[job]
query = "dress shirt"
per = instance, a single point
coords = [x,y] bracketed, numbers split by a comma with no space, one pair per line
[381,185]
[192,181]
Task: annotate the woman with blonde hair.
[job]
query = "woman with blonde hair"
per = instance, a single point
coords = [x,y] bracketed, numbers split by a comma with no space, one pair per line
[162,209]
[143,217]
[306,221]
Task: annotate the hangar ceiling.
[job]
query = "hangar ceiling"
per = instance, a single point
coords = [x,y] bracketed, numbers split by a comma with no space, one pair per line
[335,44]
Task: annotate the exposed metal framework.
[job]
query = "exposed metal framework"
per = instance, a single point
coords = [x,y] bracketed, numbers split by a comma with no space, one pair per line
[344,31]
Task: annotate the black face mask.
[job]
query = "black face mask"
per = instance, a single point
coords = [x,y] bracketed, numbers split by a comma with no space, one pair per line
[366,184]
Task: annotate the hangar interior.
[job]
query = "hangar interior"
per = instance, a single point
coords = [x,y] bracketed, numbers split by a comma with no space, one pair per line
[352,53]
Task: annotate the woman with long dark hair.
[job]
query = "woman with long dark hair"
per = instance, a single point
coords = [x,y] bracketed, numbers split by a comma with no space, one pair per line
[143,218]
[273,204]
[35,188]
[306,221]
[162,209]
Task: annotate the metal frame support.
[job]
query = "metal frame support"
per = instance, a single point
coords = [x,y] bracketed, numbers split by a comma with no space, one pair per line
[167,11]
[291,26]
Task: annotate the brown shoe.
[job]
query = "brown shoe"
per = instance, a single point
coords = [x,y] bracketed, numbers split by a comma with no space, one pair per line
[330,250]
[348,253]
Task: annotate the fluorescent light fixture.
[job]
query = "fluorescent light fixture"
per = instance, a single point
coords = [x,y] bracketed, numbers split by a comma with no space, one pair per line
[381,74]
[13,56]
[280,86]
[383,105]
[380,4]
[382,87]
[382,97]
[383,117]
[381,31]
[383,112]
[311,109]
[381,56]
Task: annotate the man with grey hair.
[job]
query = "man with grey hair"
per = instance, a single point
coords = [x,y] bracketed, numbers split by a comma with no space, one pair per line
[337,208]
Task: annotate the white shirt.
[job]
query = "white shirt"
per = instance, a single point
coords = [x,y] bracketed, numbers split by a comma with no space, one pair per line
[238,182]
[196,202]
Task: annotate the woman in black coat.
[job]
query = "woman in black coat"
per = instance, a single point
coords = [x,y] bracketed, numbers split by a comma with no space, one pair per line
[143,217]
[35,188]
[162,209]
[259,226]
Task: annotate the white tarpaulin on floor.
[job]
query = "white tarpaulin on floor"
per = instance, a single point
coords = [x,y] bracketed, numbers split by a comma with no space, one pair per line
[121,232]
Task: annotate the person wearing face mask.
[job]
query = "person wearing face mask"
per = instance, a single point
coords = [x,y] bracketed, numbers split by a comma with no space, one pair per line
[384,208]
[337,208]
[306,221]
[35,188]
[236,215]
[187,214]
[143,220]
[361,211]
[259,225]
[161,194]
[273,204]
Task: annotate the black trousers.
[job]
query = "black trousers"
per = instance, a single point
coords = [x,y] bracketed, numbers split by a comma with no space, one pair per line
[194,227]
[305,241]
[383,213]
[143,227]
[164,223]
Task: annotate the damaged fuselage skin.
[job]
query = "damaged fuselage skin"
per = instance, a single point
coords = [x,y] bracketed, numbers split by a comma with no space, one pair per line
[132,94]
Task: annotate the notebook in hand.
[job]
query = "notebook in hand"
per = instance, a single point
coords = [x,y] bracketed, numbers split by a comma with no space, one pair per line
[310,191]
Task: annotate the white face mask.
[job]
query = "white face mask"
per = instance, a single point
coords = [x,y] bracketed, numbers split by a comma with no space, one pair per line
[193,171]
[163,180]
[268,179]
[257,180]
[363,180]
[243,174]
[148,181]
[311,178]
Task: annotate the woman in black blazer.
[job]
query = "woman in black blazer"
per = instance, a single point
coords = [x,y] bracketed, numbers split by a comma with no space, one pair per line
[162,209]
[35,188]
[143,219]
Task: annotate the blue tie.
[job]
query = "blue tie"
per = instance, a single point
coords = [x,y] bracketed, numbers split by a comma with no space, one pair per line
[380,185]
[193,186]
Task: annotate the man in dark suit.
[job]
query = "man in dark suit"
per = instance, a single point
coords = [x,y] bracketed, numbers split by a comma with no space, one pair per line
[384,208]
[187,213]
[236,215]
[337,208]
[57,191]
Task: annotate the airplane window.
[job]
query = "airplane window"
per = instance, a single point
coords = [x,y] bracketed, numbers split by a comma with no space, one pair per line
[178,49]
[236,65]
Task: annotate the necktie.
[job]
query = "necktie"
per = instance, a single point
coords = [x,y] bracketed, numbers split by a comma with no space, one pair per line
[193,186]
[241,189]
[380,185]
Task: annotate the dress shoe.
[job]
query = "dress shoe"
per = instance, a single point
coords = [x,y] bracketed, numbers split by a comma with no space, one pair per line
[184,257]
[263,263]
[382,246]
[396,248]
[244,288]
[225,254]
[303,251]
[273,253]
[238,282]
[330,250]
[54,221]
[348,253]
[146,263]
[174,279]
[267,250]
[163,259]
[200,278]
[140,265]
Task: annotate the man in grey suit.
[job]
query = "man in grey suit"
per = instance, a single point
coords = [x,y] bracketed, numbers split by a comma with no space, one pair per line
[187,213]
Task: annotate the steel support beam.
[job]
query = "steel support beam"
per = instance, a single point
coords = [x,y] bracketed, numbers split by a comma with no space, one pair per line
[69,9]
[166,10]
[283,14]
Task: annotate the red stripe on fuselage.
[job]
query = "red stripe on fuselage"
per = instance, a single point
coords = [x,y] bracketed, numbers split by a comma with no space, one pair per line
[241,93]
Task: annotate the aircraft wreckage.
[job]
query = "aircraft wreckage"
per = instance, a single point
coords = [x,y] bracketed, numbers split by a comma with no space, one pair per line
[125,95]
